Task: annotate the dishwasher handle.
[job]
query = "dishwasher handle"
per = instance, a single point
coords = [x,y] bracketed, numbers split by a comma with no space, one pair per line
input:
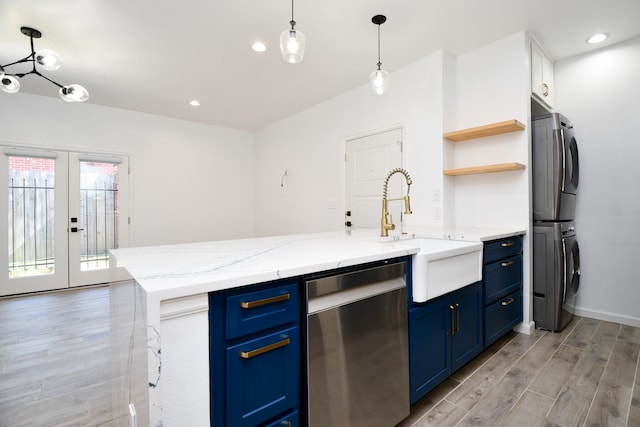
[348,296]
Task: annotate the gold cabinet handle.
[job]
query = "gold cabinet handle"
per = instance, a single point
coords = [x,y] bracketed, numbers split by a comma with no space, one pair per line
[507,264]
[506,244]
[507,302]
[270,300]
[545,89]
[285,423]
[265,349]
[453,320]
[458,317]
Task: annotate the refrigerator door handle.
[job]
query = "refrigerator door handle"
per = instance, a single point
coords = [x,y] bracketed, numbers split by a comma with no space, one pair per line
[564,270]
[564,159]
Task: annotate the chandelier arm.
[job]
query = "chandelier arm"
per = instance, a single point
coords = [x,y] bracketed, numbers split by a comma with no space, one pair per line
[20,61]
[36,72]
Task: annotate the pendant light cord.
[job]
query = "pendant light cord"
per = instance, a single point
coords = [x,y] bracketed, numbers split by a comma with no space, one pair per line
[379,63]
[292,22]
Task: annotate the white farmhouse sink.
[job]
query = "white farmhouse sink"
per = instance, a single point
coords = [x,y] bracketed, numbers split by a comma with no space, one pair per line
[443,266]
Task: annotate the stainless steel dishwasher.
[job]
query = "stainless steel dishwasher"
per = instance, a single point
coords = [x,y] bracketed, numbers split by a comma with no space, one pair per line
[357,347]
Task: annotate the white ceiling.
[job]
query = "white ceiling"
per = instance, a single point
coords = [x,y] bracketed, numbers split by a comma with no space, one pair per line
[156,55]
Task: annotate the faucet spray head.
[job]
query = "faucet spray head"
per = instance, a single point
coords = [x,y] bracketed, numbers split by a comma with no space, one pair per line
[407,205]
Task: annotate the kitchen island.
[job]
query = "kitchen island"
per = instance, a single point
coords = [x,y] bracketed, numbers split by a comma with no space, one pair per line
[177,279]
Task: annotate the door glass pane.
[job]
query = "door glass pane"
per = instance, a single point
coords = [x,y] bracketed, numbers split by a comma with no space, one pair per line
[99,213]
[31,216]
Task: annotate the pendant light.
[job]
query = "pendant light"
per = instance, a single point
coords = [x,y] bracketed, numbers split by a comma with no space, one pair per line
[379,78]
[292,42]
[47,60]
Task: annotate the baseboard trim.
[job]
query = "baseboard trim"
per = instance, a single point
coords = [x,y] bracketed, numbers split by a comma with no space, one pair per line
[525,328]
[606,316]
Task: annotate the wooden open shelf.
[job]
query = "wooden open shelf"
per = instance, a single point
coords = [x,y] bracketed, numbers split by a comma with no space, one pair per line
[485,130]
[500,167]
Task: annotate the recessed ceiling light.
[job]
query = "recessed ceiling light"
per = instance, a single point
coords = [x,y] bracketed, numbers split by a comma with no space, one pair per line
[259,47]
[597,38]
[194,103]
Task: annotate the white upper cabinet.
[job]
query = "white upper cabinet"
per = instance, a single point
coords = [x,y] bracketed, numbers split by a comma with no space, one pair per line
[541,75]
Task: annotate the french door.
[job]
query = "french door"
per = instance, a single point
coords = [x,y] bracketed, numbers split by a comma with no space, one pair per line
[60,214]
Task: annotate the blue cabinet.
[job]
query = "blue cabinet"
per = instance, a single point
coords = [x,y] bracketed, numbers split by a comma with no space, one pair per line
[255,357]
[444,334]
[502,287]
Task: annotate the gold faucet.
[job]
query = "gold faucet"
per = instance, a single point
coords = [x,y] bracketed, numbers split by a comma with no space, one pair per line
[386,223]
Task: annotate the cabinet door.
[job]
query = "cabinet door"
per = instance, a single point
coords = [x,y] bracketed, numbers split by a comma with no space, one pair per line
[262,378]
[541,75]
[429,346]
[466,341]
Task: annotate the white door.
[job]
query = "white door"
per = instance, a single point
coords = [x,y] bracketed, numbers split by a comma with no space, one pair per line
[368,161]
[33,214]
[60,214]
[97,217]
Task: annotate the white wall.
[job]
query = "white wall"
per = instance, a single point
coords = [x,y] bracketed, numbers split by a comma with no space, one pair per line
[191,181]
[311,144]
[599,93]
[491,85]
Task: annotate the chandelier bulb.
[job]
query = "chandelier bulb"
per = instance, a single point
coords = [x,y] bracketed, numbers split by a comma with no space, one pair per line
[9,84]
[48,59]
[73,93]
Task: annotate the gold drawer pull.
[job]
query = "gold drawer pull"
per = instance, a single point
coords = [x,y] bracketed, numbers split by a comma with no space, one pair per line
[506,244]
[270,300]
[507,302]
[286,423]
[266,348]
[507,264]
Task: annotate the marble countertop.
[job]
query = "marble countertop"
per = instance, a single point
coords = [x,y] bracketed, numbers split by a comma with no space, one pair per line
[174,271]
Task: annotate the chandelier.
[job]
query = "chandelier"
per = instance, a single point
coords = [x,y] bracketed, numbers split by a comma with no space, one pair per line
[47,60]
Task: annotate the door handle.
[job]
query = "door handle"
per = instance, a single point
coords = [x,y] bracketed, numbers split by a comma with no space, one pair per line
[76,229]
[453,320]
[457,317]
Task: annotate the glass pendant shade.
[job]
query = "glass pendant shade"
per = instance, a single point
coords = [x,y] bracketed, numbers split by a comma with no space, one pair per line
[48,59]
[74,93]
[379,81]
[9,84]
[292,44]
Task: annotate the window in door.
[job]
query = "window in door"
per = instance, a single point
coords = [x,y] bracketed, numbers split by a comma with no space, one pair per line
[31,221]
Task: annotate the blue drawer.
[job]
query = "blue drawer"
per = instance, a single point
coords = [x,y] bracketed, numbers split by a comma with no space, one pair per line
[501,316]
[263,378]
[257,311]
[503,248]
[501,278]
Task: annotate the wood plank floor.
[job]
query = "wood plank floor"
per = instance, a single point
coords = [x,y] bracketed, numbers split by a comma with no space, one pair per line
[74,358]
[586,375]
[78,358]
